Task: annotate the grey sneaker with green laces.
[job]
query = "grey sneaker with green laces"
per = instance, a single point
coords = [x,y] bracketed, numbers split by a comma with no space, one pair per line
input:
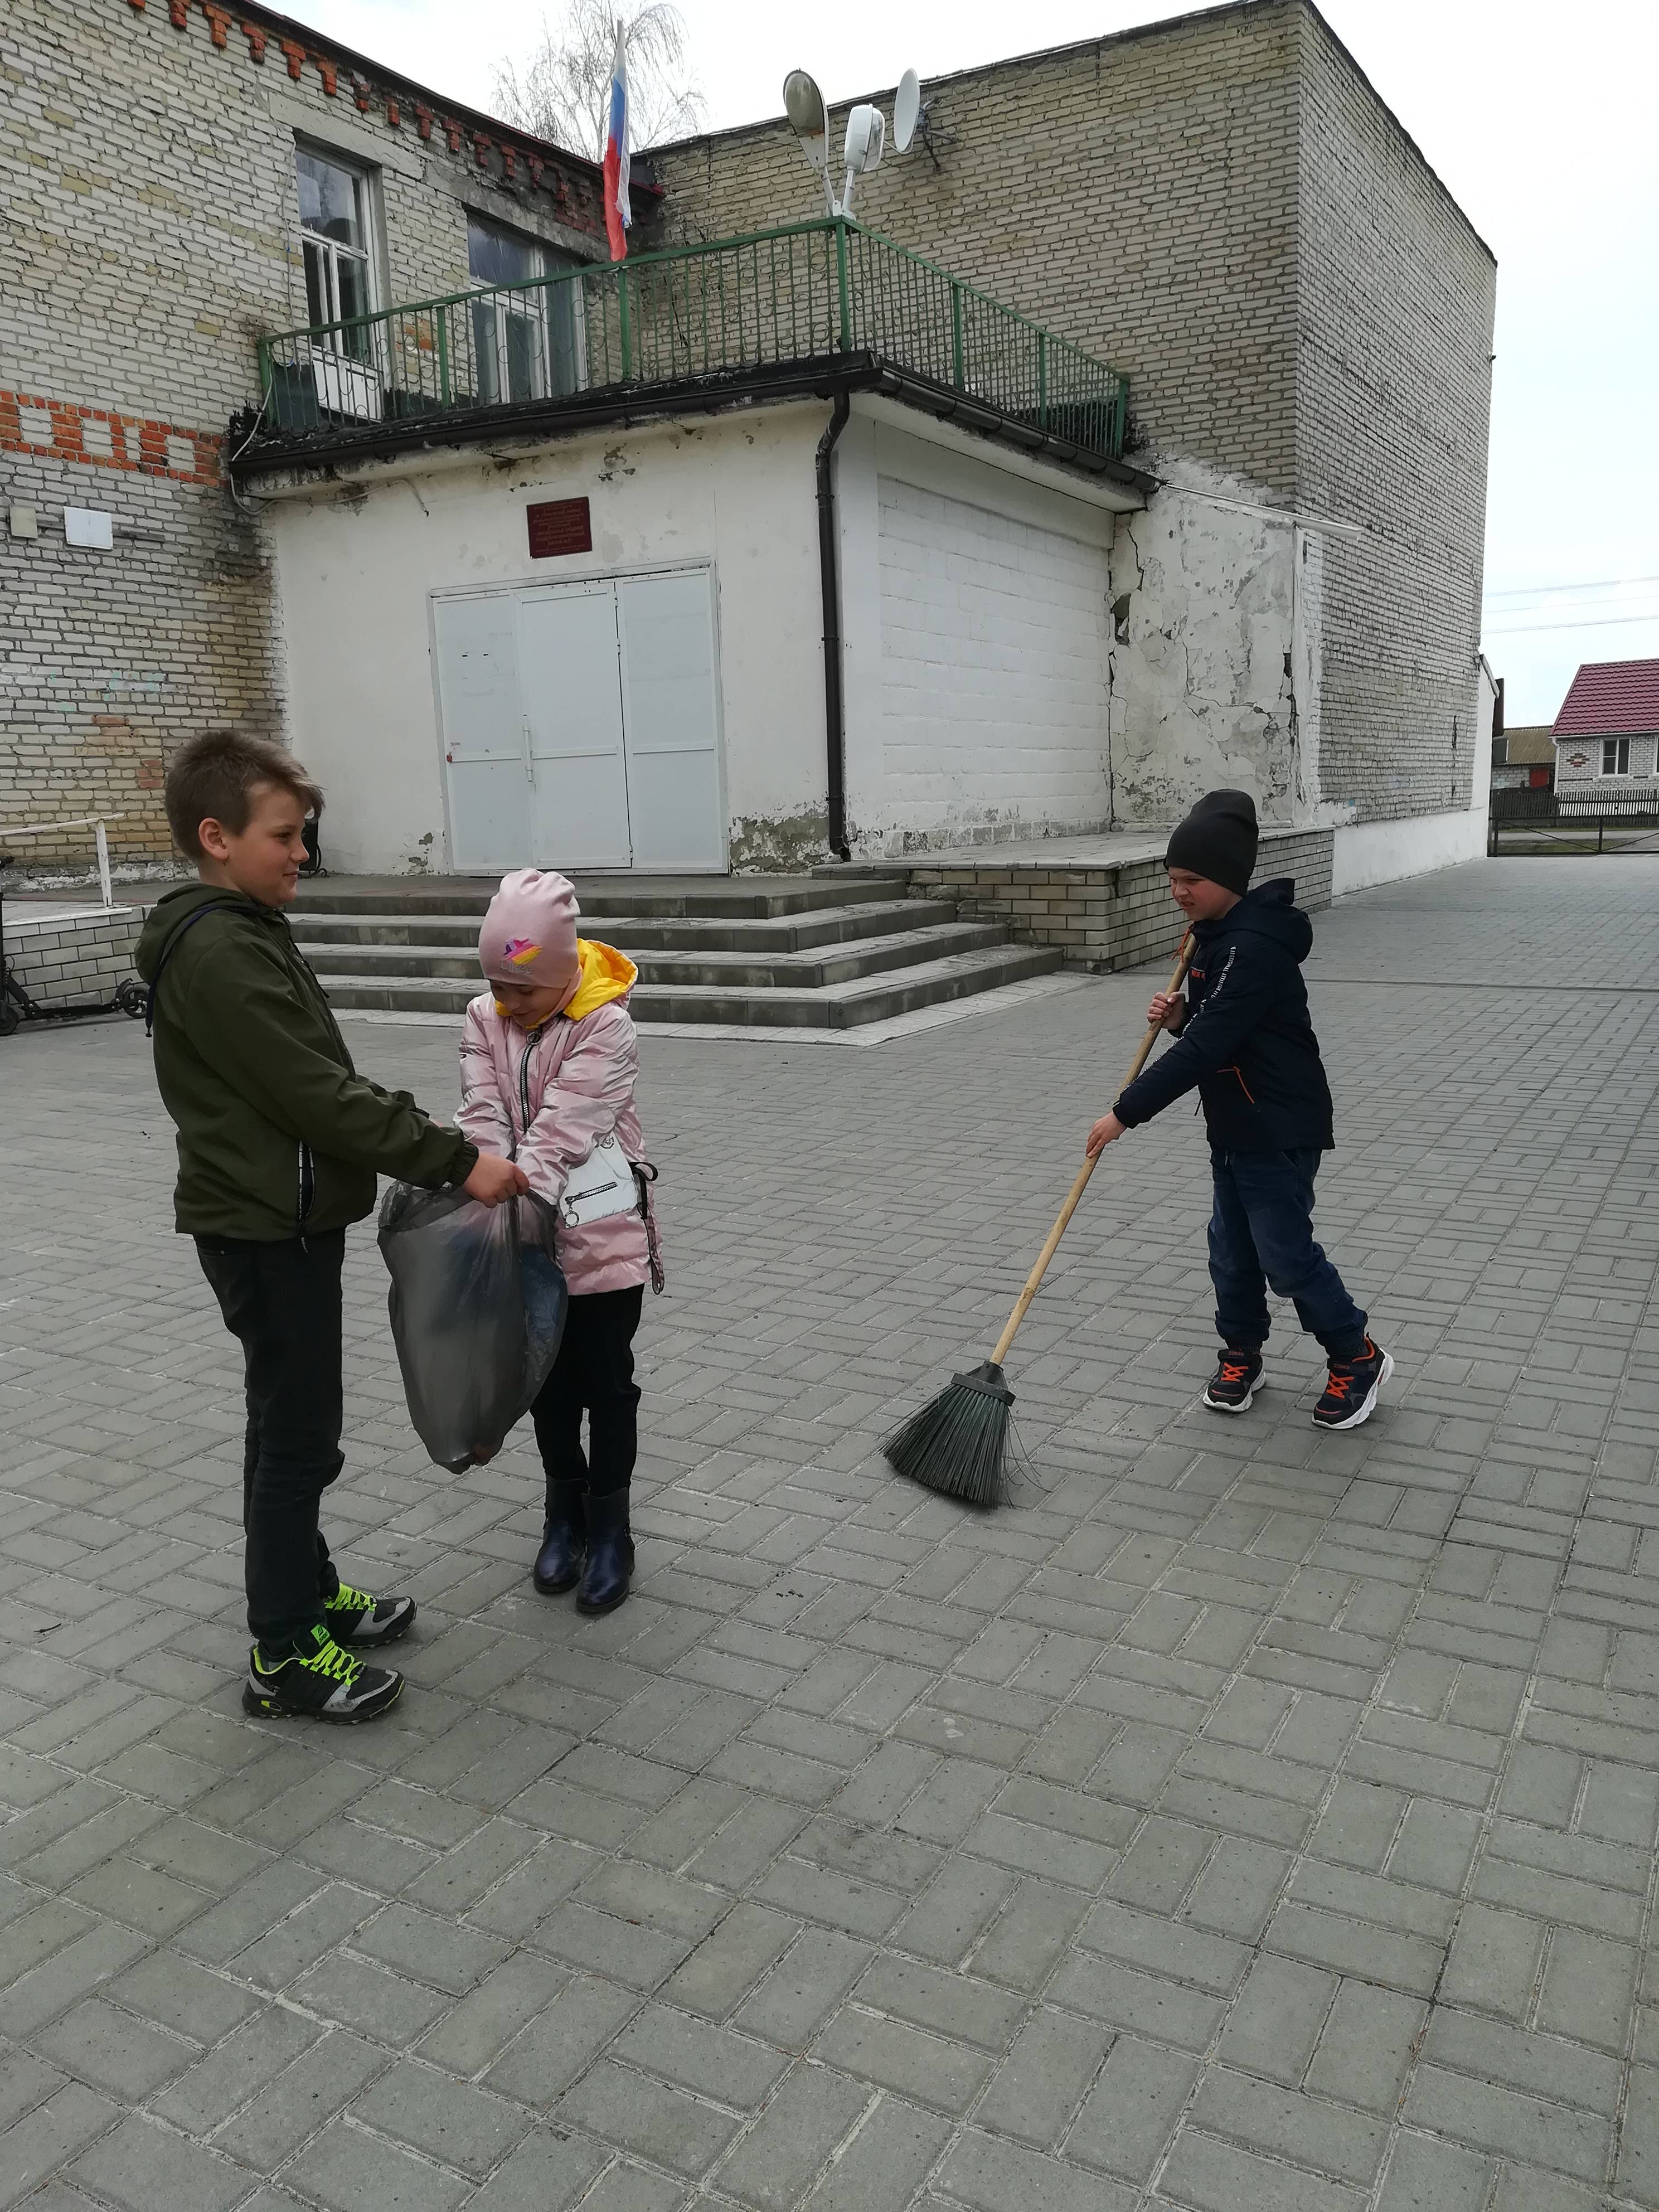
[315,1679]
[354,1617]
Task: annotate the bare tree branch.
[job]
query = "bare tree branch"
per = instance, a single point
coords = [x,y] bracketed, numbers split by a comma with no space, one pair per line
[561,91]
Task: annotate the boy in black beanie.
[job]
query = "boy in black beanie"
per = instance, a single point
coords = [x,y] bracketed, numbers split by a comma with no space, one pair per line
[1246,1041]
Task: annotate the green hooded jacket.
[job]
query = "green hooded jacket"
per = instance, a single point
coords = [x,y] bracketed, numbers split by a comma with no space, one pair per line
[278,1134]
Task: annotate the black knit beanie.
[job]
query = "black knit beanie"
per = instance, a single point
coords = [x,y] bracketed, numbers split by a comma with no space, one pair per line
[1217,840]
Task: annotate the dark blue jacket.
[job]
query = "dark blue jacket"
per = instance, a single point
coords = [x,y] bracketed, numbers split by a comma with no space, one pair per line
[1247,1042]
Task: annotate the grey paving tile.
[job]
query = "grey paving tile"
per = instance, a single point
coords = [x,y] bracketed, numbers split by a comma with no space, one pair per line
[49,2135]
[460,2125]
[1222,2177]
[143,2167]
[663,2124]
[1426,2175]
[1131,2112]
[1495,2118]
[927,2069]
[112,2052]
[343,2168]
[882,2163]
[1039,2085]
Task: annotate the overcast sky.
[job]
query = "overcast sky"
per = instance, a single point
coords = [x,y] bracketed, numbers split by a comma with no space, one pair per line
[1541,120]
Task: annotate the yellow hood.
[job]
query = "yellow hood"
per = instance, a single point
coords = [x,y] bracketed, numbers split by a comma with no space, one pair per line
[606,975]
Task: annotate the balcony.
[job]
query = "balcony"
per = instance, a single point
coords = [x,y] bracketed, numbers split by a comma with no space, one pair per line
[798,309]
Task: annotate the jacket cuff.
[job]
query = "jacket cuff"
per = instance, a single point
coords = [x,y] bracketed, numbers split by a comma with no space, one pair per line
[466,1159]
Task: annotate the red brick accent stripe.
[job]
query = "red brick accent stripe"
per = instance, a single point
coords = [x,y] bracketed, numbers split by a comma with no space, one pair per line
[135,441]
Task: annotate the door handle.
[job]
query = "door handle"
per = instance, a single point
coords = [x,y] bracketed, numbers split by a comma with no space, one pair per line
[529,753]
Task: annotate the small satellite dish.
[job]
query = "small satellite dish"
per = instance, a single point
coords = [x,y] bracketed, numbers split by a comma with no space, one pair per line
[906,111]
[803,103]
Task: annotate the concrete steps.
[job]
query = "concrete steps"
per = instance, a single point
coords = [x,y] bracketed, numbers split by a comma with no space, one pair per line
[801,953]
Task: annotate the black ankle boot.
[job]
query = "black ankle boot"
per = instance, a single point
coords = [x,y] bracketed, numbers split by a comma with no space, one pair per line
[610,1554]
[564,1538]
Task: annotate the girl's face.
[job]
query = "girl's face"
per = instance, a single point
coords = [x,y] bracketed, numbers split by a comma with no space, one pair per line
[530,1005]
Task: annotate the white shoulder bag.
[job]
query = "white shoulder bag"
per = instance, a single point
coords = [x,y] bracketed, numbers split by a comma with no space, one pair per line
[602,1185]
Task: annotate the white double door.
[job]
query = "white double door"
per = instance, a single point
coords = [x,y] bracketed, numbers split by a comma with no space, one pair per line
[581,725]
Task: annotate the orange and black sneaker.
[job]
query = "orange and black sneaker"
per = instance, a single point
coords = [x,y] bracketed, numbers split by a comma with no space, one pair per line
[1236,1379]
[1350,1393]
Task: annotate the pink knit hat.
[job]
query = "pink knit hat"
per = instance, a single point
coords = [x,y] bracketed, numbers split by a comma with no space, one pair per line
[529,934]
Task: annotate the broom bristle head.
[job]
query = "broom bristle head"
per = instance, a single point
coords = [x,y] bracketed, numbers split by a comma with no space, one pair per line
[957,1443]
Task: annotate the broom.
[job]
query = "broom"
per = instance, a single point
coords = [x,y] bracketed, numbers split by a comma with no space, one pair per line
[957,1443]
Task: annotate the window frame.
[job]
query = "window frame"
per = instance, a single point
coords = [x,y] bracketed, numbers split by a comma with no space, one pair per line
[1619,749]
[329,250]
[550,343]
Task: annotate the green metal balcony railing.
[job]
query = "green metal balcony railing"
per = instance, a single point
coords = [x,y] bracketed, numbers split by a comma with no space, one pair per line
[804,293]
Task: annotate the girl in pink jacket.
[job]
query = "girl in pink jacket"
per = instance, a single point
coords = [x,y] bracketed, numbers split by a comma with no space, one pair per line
[548,1063]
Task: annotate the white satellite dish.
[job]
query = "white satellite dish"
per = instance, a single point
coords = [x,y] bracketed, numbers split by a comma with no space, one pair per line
[906,111]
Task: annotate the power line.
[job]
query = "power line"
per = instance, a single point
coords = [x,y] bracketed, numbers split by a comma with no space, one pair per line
[1602,621]
[1595,584]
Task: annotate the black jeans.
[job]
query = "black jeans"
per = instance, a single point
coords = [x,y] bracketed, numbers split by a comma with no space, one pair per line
[1262,1233]
[595,1370]
[282,1302]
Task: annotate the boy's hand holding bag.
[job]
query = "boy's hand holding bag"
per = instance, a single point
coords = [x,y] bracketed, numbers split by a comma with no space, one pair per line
[477,1306]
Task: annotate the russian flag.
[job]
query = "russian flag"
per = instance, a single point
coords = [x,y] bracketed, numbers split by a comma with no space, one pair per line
[619,216]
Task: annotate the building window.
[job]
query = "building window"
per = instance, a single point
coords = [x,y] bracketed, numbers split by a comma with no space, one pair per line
[525,340]
[1615,756]
[337,241]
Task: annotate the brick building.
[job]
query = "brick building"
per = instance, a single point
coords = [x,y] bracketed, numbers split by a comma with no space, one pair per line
[150,180]
[1033,631]
[1223,207]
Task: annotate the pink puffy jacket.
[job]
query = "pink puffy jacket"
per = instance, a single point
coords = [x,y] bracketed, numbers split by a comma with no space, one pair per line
[547,1097]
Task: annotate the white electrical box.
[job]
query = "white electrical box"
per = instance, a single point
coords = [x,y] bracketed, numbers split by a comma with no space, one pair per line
[86,525]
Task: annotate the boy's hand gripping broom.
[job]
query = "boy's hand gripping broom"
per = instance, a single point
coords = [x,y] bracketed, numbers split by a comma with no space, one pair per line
[955,1443]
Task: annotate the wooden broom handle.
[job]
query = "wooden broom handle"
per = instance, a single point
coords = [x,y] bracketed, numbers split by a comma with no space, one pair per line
[1184,961]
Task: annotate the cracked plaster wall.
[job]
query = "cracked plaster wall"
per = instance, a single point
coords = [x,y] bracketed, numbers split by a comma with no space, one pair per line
[1214,664]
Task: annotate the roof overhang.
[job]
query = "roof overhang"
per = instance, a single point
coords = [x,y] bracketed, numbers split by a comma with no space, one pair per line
[324,452]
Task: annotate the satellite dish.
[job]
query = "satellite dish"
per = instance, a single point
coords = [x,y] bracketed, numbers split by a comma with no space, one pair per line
[906,111]
[803,103]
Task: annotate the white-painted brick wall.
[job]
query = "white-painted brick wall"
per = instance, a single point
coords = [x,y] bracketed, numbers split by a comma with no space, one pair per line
[71,957]
[993,643]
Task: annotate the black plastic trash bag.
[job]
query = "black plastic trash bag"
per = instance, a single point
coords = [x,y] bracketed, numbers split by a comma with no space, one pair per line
[477,1304]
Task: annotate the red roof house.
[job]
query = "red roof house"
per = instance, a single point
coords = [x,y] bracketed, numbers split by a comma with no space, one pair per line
[1611,699]
[1607,734]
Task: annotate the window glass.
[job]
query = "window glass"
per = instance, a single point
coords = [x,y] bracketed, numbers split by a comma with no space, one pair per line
[352,283]
[318,304]
[330,200]
[498,256]
[524,346]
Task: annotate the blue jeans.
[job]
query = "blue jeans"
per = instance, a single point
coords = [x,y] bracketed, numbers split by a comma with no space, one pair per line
[1262,1233]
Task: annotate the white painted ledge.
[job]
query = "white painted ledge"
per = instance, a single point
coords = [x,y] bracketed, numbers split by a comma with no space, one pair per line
[1367,852]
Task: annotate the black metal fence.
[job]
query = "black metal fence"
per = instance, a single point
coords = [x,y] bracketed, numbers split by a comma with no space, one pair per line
[1554,820]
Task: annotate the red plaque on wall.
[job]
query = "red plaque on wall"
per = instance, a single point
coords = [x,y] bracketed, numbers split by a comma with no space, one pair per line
[559,526]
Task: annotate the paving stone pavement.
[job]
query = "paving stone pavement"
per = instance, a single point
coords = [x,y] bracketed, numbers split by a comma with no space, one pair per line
[1246,1817]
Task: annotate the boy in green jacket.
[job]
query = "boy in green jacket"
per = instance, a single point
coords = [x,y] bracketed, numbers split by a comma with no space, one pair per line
[280,1140]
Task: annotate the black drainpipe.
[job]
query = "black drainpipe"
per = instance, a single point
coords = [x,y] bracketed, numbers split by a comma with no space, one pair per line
[834,717]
